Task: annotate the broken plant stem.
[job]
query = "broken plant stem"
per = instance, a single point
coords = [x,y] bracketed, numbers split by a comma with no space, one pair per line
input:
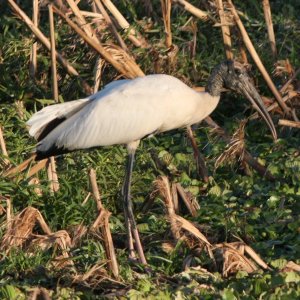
[225,30]
[257,59]
[186,200]
[53,56]
[202,15]
[289,123]
[102,221]
[111,25]
[135,37]
[269,23]
[42,38]
[199,158]
[247,157]
[166,12]
[33,54]
[129,70]
[3,148]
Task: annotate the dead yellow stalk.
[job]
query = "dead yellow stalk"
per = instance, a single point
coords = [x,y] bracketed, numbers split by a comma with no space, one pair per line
[203,15]
[289,123]
[235,147]
[70,69]
[3,149]
[166,12]
[51,169]
[127,67]
[111,25]
[33,54]
[163,186]
[135,37]
[102,221]
[225,30]
[269,23]
[257,59]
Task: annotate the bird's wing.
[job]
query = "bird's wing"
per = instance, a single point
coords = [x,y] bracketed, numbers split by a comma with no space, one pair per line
[123,113]
[41,121]
[45,120]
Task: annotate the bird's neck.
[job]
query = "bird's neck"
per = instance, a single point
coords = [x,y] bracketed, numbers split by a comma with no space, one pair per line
[215,84]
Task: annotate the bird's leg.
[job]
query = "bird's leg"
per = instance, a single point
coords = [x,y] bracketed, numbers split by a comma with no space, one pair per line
[128,209]
[128,228]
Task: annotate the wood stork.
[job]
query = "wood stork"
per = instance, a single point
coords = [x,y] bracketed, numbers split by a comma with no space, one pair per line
[126,111]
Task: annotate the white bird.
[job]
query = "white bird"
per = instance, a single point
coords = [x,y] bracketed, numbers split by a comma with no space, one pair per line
[126,111]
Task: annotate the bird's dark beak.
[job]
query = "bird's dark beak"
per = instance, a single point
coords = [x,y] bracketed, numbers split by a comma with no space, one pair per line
[247,88]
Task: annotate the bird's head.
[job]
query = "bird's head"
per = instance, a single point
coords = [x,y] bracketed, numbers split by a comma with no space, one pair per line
[234,76]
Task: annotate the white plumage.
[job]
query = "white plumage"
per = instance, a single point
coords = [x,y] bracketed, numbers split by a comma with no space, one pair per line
[123,112]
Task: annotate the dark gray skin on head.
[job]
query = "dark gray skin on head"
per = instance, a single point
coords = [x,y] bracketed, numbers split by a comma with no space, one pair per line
[233,75]
[226,75]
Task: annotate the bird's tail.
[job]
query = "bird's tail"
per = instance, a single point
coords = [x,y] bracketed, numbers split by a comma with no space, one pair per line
[45,120]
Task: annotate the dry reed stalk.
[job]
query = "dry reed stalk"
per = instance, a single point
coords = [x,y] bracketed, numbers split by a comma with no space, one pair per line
[102,221]
[19,104]
[247,157]
[84,25]
[203,15]
[52,175]
[256,257]
[236,146]
[37,167]
[44,242]
[69,68]
[95,190]
[53,52]
[134,36]
[93,277]
[21,227]
[269,23]
[274,105]
[166,12]
[291,266]
[39,293]
[225,30]
[175,197]
[200,162]
[21,167]
[189,227]
[77,232]
[97,73]
[8,210]
[234,259]
[186,200]
[286,85]
[163,186]
[93,14]
[257,59]
[126,67]
[110,25]
[51,169]
[33,54]
[289,123]
[3,149]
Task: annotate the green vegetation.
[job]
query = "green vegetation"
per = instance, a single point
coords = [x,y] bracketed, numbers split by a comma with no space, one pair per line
[233,206]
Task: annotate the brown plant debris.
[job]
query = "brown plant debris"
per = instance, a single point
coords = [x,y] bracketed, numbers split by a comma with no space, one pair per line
[93,277]
[291,266]
[231,258]
[20,228]
[39,293]
[178,223]
[236,146]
